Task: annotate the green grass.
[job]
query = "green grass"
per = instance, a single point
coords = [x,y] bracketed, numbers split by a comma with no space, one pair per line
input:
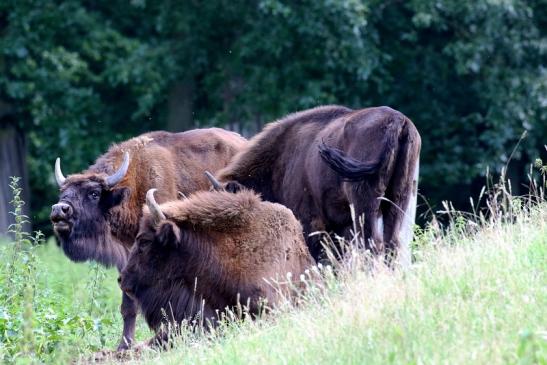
[482,300]
[474,296]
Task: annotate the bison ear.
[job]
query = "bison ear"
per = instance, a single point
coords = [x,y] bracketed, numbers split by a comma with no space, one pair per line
[115,197]
[233,187]
[168,234]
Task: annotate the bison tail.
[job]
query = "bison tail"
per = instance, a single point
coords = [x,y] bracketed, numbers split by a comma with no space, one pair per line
[348,168]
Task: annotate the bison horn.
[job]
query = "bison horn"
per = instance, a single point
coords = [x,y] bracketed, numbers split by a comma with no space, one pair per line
[214,182]
[154,207]
[58,174]
[118,175]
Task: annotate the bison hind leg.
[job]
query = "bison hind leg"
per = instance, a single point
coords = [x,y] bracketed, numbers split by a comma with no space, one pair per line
[406,231]
[399,216]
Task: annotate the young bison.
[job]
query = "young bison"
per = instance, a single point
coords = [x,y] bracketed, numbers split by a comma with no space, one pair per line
[194,258]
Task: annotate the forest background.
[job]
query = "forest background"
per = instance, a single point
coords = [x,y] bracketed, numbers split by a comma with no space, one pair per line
[77,76]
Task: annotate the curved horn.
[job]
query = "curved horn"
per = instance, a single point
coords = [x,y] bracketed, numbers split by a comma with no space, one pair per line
[214,182]
[118,175]
[154,207]
[58,174]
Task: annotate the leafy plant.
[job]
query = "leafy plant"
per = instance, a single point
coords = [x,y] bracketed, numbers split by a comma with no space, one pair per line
[51,310]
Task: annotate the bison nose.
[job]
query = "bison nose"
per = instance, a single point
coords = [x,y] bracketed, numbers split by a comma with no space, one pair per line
[126,287]
[61,210]
[122,284]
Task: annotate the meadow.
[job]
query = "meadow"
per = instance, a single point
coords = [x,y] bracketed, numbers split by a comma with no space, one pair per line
[476,294]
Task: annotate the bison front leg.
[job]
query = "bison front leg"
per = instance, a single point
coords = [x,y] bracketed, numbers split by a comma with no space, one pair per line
[129,315]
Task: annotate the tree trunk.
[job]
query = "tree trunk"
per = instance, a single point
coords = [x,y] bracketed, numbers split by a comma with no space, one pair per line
[12,163]
[180,105]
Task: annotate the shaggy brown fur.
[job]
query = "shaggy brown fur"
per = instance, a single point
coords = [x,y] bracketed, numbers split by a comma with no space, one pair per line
[319,161]
[212,252]
[101,223]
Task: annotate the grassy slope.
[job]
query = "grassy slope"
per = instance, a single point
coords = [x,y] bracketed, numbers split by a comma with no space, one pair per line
[478,299]
[482,300]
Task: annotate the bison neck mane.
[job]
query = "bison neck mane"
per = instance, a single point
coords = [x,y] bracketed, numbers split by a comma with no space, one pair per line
[253,166]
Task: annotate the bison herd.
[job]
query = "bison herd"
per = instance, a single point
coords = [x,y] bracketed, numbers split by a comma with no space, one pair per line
[189,251]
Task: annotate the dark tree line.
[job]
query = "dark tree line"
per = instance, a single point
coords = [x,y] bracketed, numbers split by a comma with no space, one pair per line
[78,75]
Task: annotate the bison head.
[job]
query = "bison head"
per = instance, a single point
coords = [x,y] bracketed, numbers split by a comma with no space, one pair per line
[153,266]
[80,218]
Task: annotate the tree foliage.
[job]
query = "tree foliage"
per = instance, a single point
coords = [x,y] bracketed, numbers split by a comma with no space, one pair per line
[470,74]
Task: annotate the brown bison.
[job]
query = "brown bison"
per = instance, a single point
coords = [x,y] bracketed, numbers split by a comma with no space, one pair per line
[97,216]
[194,258]
[319,161]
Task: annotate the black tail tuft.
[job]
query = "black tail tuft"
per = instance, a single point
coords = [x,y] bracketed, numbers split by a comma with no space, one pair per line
[348,168]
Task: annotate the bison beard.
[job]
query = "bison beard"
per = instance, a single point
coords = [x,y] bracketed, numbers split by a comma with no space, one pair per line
[86,240]
[319,161]
[98,212]
[209,253]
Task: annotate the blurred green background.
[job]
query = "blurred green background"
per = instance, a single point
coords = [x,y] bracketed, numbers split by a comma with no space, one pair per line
[76,76]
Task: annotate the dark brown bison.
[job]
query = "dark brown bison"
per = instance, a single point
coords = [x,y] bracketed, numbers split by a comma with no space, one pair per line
[194,258]
[97,216]
[319,161]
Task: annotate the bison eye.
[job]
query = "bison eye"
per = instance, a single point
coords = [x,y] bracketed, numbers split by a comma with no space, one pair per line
[94,195]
